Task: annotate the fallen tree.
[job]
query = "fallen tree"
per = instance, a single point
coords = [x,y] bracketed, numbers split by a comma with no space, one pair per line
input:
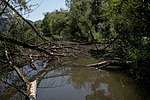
[9,42]
[106,63]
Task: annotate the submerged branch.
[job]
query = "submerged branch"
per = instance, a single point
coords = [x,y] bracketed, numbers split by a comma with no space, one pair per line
[54,76]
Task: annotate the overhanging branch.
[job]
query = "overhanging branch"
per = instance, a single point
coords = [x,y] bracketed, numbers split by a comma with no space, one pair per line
[3,10]
[33,28]
[24,45]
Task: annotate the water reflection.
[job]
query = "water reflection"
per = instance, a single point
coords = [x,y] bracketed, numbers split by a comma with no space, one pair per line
[74,84]
[9,85]
[88,84]
[12,87]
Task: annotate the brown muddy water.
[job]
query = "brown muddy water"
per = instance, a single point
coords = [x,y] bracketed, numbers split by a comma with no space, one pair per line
[88,84]
[77,83]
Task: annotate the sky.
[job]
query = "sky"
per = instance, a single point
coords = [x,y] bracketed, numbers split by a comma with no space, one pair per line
[45,6]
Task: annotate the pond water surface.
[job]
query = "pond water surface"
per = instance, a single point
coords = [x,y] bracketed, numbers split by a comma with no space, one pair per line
[76,83]
[88,84]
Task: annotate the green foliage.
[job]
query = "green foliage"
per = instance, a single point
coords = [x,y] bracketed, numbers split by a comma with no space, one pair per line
[83,22]
[54,23]
[14,28]
[130,20]
[125,21]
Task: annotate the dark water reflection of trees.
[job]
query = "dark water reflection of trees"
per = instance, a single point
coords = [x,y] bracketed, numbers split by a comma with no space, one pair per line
[105,85]
[90,84]
[75,84]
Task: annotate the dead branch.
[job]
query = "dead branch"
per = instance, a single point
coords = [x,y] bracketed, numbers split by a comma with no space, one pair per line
[13,87]
[29,46]
[111,42]
[16,68]
[104,64]
[30,86]
[3,10]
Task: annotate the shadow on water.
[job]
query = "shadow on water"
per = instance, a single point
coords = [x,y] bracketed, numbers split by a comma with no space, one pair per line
[97,53]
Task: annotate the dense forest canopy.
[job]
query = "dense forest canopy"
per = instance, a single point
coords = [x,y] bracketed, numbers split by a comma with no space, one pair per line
[122,25]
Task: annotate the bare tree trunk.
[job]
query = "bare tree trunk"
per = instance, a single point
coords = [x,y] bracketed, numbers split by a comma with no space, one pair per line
[104,64]
[33,86]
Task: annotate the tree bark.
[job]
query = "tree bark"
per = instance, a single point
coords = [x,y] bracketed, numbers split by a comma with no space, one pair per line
[33,85]
[104,64]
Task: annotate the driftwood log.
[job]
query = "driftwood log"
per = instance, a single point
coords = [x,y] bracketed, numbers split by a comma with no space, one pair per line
[104,64]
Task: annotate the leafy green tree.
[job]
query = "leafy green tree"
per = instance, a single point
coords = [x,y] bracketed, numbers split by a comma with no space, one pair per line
[129,21]
[54,23]
[82,22]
